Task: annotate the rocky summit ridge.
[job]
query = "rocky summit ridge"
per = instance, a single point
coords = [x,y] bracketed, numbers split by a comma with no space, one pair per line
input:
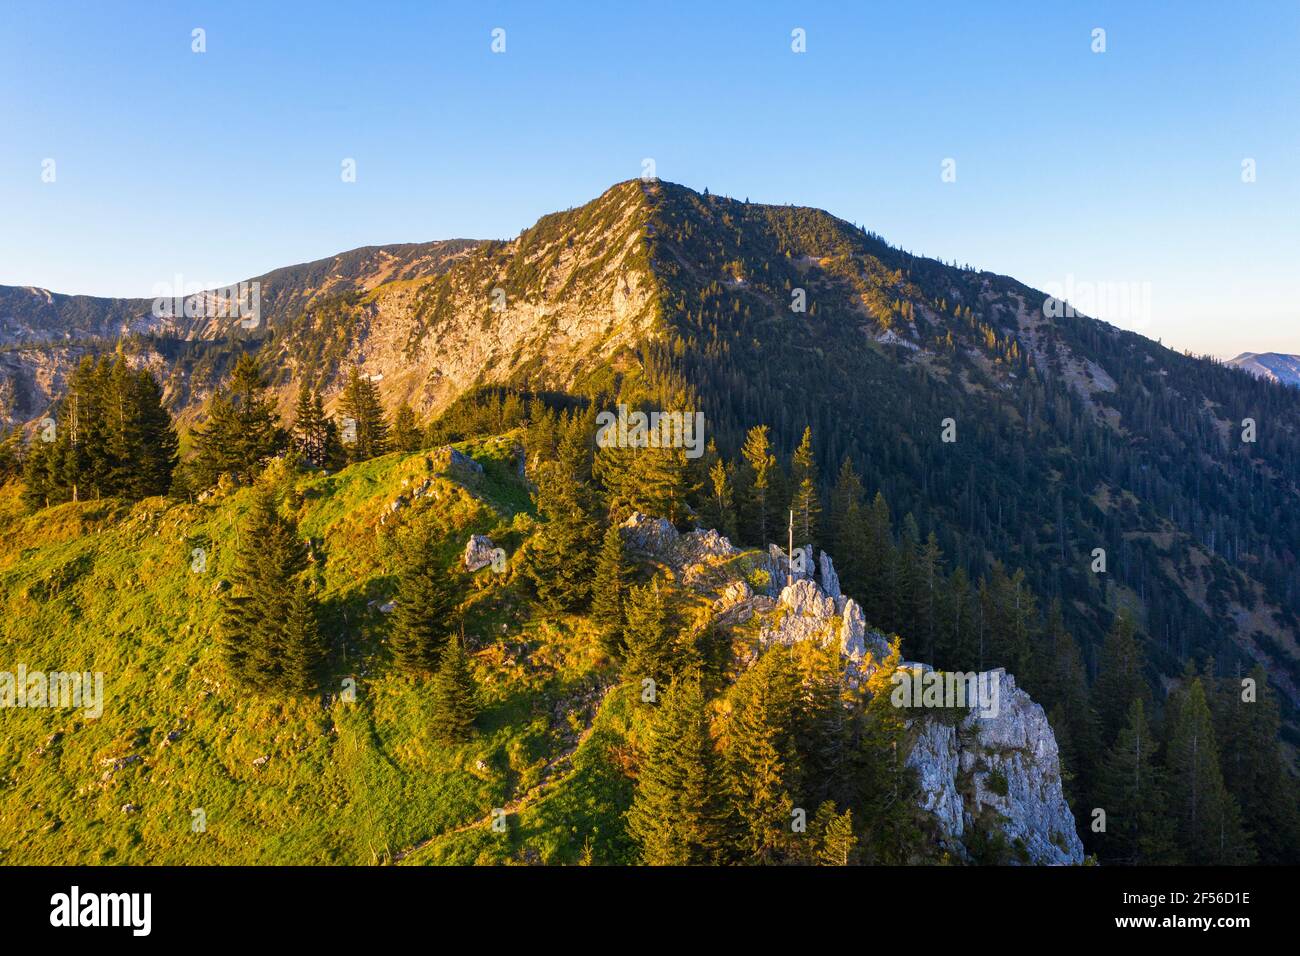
[985,775]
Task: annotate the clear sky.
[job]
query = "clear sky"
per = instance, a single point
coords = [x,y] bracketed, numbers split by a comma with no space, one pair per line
[1110,172]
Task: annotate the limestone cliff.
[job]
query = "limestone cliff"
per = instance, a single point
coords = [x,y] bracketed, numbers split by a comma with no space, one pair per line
[990,778]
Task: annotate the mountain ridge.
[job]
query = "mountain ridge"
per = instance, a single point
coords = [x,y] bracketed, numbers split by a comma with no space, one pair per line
[653,289]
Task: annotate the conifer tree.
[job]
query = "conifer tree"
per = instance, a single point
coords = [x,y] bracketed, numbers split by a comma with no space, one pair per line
[407,434]
[424,612]
[308,433]
[1247,722]
[719,507]
[847,491]
[760,464]
[607,592]
[1208,820]
[677,817]
[807,504]
[653,648]
[113,437]
[762,756]
[560,559]
[303,648]
[1131,791]
[366,435]
[241,429]
[838,843]
[878,566]
[454,694]
[1120,680]
[888,785]
[268,559]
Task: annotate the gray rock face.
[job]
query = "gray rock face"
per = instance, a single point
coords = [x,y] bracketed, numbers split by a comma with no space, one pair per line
[934,756]
[804,613]
[1005,771]
[829,580]
[478,552]
[997,773]
[652,537]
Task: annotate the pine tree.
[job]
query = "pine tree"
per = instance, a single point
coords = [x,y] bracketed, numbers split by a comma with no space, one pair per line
[560,559]
[677,817]
[454,694]
[424,612]
[607,592]
[366,428]
[807,504]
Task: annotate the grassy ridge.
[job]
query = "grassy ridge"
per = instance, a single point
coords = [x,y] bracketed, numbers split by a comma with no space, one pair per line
[108,587]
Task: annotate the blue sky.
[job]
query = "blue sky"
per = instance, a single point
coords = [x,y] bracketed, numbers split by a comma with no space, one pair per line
[1110,170]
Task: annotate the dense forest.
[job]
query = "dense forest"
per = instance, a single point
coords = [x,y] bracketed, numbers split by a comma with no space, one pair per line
[1194,776]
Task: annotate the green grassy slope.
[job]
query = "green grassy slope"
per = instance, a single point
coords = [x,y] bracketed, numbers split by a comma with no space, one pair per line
[108,587]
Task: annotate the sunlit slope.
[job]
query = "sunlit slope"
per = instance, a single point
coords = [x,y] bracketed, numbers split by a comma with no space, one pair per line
[101,586]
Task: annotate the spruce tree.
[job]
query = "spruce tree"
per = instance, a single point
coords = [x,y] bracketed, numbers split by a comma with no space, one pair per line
[762,763]
[454,694]
[1131,791]
[807,504]
[303,650]
[1208,820]
[878,563]
[888,797]
[847,492]
[760,464]
[424,612]
[1247,720]
[560,559]
[1120,680]
[241,430]
[407,434]
[653,647]
[366,432]
[607,592]
[677,816]
[268,559]
[837,841]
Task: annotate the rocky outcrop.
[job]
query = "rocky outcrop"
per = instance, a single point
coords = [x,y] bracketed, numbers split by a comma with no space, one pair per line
[997,775]
[991,778]
[479,551]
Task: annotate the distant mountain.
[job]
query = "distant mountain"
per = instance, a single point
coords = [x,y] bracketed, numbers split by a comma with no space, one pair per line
[1274,366]
[1071,435]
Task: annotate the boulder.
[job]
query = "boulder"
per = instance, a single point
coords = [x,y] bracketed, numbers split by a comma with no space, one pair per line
[478,552]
